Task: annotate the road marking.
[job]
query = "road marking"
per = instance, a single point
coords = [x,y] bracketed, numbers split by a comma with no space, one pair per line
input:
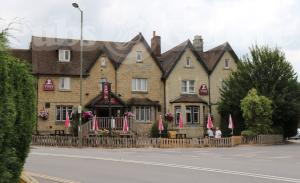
[47,177]
[170,165]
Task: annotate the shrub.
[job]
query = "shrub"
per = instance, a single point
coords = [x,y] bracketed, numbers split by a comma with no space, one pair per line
[248,133]
[154,133]
[257,112]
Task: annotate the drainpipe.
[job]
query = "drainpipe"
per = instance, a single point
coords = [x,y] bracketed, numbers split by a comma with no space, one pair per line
[165,98]
[209,98]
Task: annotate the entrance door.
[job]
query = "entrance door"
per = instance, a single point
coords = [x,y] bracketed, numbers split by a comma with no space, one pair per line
[115,112]
[102,112]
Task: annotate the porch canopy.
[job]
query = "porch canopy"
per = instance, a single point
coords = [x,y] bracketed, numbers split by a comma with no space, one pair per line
[188,98]
[142,102]
[99,102]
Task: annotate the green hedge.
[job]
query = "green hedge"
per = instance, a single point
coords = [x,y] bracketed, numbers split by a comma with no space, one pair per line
[17,113]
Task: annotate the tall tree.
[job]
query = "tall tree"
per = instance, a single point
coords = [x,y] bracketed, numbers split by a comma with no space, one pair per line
[17,113]
[267,70]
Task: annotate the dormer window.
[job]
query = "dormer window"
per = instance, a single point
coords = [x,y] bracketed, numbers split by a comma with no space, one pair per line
[103,62]
[188,62]
[139,56]
[226,64]
[64,55]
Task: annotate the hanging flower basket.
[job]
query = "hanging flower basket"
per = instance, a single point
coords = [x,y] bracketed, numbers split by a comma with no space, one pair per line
[169,116]
[44,114]
[87,115]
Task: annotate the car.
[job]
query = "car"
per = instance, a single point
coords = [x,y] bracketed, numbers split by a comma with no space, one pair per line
[297,136]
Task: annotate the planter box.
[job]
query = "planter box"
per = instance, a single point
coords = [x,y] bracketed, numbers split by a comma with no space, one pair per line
[172,134]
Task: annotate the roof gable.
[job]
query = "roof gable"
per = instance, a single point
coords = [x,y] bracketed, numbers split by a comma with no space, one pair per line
[170,58]
[213,56]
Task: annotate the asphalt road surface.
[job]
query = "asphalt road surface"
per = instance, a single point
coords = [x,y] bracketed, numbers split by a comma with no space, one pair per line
[243,164]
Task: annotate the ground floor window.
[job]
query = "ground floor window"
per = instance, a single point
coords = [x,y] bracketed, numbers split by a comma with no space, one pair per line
[143,113]
[61,111]
[177,114]
[192,114]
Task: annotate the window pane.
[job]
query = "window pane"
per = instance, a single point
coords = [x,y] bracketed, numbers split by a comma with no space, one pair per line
[148,113]
[191,86]
[146,84]
[64,113]
[177,114]
[188,115]
[143,84]
[137,113]
[133,88]
[70,110]
[142,114]
[67,83]
[139,84]
[184,86]
[195,114]
[66,55]
[139,56]
[57,113]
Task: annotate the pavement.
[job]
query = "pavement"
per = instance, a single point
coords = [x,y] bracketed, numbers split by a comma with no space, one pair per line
[242,164]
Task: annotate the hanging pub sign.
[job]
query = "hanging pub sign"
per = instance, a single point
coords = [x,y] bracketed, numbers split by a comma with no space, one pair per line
[48,86]
[106,91]
[203,90]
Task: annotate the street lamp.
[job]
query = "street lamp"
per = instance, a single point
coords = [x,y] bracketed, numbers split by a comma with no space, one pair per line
[75,5]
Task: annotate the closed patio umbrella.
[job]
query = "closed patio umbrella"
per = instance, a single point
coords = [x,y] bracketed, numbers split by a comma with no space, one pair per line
[125,125]
[160,125]
[209,122]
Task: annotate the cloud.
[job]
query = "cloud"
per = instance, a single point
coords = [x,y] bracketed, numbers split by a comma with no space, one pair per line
[240,22]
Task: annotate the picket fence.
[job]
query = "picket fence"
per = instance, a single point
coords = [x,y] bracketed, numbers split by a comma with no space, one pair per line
[111,142]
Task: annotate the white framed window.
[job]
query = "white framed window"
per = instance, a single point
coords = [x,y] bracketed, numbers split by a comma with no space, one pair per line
[188,62]
[64,55]
[103,62]
[143,113]
[139,84]
[64,83]
[226,64]
[177,114]
[192,114]
[61,111]
[139,56]
[188,86]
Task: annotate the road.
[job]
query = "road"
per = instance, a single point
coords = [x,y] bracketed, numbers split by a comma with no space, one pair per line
[243,164]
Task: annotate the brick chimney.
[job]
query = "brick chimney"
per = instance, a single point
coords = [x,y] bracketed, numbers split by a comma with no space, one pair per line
[198,43]
[155,44]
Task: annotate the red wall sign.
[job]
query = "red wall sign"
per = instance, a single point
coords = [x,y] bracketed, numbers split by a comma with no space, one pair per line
[203,90]
[48,86]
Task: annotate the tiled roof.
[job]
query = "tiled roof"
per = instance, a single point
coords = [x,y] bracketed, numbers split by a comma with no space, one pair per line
[142,101]
[23,54]
[44,54]
[210,58]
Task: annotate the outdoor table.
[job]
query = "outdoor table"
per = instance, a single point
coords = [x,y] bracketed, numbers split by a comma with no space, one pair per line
[180,135]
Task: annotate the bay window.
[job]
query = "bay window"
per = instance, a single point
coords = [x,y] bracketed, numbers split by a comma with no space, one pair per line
[192,114]
[143,113]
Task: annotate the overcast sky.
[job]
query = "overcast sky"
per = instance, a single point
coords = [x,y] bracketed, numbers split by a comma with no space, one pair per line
[240,22]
